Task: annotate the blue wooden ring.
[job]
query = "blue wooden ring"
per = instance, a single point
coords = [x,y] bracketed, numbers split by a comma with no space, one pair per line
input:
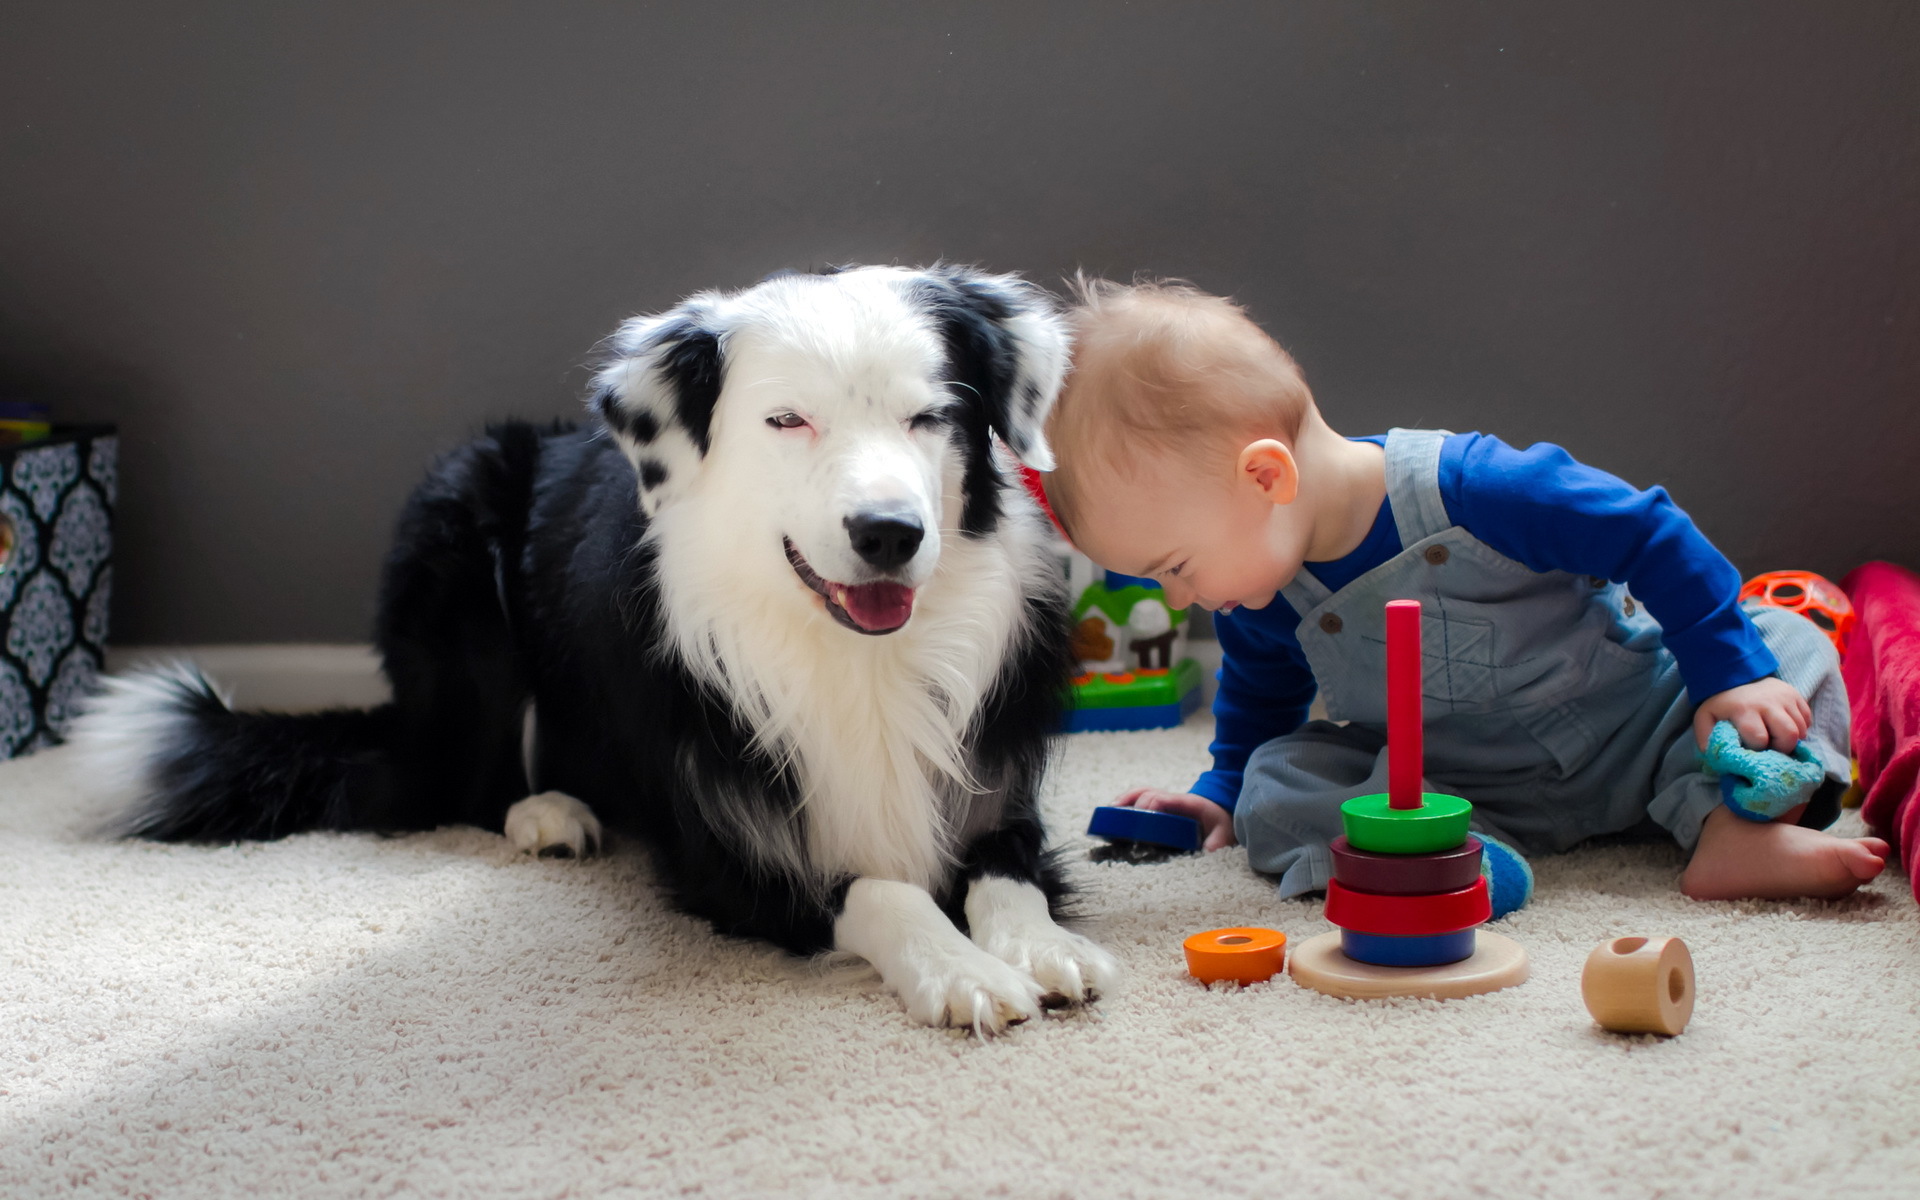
[1145,825]
[1386,950]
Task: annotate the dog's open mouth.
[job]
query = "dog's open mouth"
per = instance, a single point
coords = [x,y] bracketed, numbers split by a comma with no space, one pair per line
[867,607]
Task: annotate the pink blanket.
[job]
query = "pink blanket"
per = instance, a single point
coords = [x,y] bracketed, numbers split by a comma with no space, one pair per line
[1883,685]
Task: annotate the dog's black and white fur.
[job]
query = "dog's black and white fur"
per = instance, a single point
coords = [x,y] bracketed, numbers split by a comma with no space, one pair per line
[785,612]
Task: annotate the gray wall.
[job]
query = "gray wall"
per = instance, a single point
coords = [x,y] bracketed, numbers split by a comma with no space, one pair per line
[295,250]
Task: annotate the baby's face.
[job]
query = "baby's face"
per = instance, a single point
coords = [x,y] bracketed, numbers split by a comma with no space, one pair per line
[1220,543]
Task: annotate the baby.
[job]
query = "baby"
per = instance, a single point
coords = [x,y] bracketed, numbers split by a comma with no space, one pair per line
[1581,637]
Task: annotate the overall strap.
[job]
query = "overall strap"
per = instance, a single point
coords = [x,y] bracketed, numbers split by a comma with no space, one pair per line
[1305,592]
[1413,483]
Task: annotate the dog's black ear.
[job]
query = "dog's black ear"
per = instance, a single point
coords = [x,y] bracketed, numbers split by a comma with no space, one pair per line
[1007,344]
[657,390]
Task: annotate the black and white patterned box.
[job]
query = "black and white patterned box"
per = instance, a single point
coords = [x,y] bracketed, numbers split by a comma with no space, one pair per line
[56,576]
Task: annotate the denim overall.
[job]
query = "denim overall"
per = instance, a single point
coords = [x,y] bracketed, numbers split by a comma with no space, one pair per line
[1550,702]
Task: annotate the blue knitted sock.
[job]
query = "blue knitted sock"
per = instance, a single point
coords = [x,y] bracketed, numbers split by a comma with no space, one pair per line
[1509,878]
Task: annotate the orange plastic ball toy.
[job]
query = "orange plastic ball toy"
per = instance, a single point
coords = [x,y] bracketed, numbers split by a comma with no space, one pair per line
[1812,596]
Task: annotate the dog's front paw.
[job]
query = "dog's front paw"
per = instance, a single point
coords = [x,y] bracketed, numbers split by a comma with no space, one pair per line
[1009,920]
[1069,968]
[553,825]
[940,976]
[965,988]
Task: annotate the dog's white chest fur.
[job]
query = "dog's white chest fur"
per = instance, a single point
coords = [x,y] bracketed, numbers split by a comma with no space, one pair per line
[874,727]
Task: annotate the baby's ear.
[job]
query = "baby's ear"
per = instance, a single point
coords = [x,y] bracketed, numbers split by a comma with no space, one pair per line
[1007,344]
[657,392]
[1269,465]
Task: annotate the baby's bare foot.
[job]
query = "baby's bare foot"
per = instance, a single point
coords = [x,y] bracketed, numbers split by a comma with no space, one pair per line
[1770,860]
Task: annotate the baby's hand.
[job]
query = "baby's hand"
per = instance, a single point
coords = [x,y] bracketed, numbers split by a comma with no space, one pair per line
[1216,823]
[1768,714]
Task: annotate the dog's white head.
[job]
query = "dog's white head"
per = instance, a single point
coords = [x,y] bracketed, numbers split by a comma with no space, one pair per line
[841,423]
[818,460]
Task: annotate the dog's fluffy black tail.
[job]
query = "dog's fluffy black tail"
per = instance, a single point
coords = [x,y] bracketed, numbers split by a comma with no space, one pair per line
[181,766]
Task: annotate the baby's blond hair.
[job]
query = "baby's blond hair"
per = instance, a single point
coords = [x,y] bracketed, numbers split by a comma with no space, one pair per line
[1161,365]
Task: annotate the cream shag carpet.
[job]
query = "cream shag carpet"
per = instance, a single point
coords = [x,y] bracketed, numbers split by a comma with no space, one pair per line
[351,1016]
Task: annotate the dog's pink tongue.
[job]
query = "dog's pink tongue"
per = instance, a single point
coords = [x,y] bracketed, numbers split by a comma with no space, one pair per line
[875,606]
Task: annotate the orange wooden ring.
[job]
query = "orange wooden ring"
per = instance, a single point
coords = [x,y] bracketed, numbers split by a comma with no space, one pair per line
[1247,955]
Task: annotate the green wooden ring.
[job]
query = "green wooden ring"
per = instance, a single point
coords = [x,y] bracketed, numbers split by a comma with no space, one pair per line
[1372,824]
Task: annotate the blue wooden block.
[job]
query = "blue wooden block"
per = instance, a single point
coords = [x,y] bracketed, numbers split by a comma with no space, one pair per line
[1145,825]
[1386,950]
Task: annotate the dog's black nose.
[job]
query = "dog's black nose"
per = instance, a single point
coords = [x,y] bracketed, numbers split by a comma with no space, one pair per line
[886,539]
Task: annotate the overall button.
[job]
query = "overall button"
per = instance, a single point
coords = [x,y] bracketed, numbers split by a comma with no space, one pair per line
[1438,554]
[1331,623]
[1627,604]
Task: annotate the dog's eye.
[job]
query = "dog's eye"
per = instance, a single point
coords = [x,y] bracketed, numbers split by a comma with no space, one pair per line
[933,418]
[787,420]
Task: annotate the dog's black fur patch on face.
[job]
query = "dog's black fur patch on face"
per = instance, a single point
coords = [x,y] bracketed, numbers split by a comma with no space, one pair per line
[652,473]
[638,425]
[642,428]
[689,361]
[606,405]
[980,479]
[982,361]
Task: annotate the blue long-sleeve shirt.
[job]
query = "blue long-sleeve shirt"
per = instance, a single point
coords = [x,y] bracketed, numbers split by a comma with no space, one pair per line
[1542,509]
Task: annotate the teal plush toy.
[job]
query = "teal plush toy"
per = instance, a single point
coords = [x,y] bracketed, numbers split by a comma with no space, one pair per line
[1760,785]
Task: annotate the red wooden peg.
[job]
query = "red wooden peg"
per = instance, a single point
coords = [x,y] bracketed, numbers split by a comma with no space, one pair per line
[1406,754]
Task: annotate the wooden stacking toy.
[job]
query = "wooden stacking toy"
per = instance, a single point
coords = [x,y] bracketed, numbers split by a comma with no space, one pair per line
[1640,985]
[1406,892]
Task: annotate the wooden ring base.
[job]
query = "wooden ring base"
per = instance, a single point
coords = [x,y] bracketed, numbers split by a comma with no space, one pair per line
[1497,962]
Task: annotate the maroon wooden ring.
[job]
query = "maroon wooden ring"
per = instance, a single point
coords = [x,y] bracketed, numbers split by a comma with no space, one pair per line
[1408,916]
[1406,874]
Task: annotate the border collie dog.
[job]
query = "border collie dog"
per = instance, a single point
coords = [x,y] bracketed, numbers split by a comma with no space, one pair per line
[784,612]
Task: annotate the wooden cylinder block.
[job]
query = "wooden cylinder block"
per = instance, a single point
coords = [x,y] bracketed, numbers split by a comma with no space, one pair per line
[1639,985]
[1247,955]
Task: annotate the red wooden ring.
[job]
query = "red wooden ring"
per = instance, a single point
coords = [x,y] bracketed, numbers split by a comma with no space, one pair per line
[1408,916]
[1406,874]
